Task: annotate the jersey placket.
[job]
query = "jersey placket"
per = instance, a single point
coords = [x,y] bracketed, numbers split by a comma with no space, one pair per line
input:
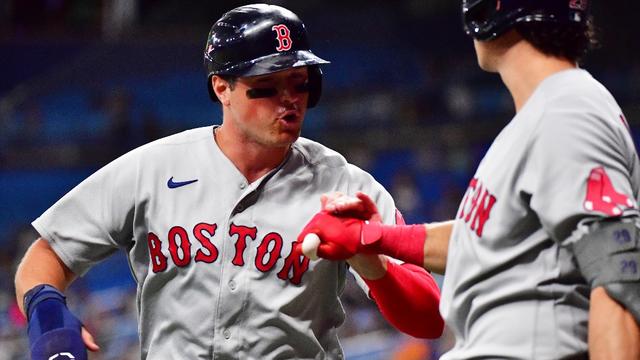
[232,295]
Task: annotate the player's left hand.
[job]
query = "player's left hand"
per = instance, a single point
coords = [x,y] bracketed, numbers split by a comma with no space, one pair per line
[361,206]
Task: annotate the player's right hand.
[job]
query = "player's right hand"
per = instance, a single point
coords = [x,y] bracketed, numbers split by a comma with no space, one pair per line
[339,236]
[361,206]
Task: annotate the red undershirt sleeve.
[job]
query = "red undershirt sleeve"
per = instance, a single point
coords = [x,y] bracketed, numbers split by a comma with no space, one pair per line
[409,298]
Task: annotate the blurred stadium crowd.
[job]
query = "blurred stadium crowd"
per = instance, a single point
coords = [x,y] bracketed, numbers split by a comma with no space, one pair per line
[85,81]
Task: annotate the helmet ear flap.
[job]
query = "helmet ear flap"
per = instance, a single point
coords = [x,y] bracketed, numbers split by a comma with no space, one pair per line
[315,85]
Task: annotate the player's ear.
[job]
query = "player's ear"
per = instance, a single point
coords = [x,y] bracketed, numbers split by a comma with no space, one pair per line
[221,88]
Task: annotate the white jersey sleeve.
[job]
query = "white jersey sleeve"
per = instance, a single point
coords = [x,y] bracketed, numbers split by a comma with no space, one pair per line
[95,218]
[580,165]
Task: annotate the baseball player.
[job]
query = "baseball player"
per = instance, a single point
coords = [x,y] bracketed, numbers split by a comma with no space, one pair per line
[542,260]
[209,219]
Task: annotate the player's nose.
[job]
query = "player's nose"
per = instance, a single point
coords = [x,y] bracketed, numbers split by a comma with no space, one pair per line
[289,95]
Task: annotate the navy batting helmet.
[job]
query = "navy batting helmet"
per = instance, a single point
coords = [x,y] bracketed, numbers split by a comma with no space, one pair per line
[260,39]
[488,19]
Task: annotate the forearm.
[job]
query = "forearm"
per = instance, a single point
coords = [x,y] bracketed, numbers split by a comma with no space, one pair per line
[425,245]
[436,246]
[409,298]
[41,265]
[613,331]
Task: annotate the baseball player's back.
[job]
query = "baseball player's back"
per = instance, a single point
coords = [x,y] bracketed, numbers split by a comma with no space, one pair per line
[517,293]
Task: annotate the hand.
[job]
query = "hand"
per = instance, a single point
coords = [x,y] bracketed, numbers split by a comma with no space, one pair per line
[339,237]
[360,207]
[89,341]
[342,238]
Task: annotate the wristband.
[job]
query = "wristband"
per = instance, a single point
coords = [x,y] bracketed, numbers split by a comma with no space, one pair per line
[38,294]
[54,332]
[402,242]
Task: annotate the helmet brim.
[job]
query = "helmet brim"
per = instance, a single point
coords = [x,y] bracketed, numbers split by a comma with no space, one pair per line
[273,63]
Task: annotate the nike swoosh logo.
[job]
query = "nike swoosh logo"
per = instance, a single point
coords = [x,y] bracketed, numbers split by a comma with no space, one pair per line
[176,184]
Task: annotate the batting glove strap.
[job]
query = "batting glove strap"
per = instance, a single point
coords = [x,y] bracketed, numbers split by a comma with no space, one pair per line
[371,234]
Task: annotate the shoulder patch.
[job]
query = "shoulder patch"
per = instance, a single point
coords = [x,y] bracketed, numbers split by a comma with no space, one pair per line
[602,196]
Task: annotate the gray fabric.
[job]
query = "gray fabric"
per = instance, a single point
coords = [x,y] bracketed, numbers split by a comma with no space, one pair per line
[235,307]
[512,288]
[608,254]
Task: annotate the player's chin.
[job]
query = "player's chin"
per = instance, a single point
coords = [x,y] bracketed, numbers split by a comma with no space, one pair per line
[289,138]
[289,129]
[286,137]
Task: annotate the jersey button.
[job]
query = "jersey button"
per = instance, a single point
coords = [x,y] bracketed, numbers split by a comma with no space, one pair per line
[243,185]
[232,285]
[226,333]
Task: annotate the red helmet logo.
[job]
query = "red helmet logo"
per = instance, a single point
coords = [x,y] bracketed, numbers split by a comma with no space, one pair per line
[283,35]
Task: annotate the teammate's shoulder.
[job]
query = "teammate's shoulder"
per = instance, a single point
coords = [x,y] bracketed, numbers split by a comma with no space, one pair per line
[575,110]
[575,87]
[575,97]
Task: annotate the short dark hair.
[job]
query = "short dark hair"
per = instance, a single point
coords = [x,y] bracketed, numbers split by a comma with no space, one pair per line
[569,41]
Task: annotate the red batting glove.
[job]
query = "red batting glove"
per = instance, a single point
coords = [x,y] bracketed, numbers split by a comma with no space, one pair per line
[337,242]
[342,238]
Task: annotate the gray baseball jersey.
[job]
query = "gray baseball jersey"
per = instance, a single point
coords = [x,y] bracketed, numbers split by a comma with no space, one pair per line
[512,288]
[212,254]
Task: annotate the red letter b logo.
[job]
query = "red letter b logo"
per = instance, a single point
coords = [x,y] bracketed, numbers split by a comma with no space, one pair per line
[283,35]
